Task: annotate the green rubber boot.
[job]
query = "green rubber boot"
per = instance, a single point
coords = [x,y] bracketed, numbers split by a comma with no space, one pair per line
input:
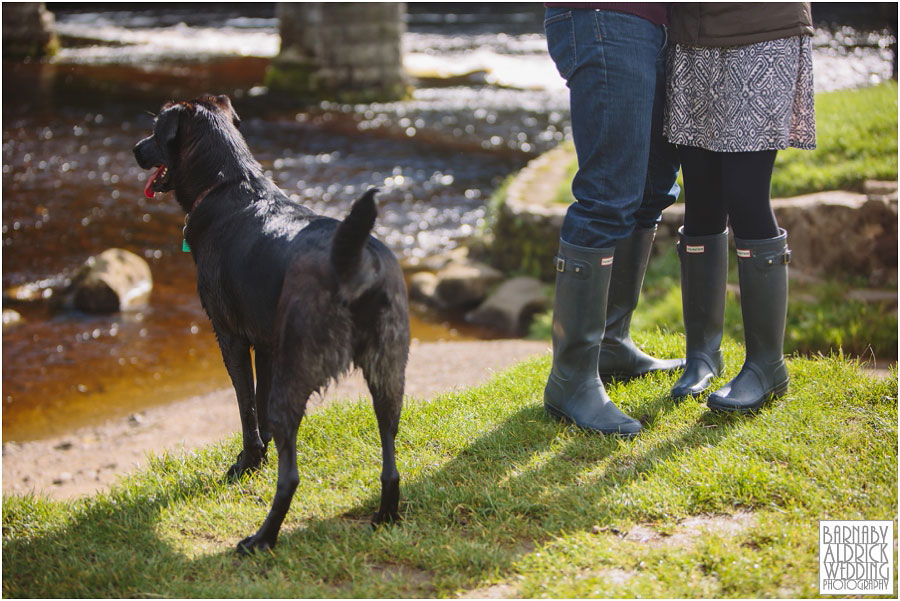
[704,275]
[574,391]
[763,272]
[620,358]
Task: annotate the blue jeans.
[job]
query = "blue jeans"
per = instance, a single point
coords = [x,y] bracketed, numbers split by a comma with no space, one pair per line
[614,66]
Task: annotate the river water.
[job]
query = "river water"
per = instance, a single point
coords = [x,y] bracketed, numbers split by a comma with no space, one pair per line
[71,187]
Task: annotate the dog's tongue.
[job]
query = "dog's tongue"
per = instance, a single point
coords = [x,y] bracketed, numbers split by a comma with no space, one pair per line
[148,189]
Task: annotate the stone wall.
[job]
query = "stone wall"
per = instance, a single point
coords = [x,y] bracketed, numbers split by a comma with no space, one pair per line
[345,51]
[829,233]
[526,223]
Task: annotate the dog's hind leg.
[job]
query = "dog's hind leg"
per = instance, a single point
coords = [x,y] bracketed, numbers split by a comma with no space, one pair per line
[236,355]
[313,347]
[285,423]
[383,365]
[263,364]
[388,402]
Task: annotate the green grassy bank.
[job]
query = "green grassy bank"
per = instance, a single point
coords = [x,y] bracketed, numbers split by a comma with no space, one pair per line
[856,134]
[497,500]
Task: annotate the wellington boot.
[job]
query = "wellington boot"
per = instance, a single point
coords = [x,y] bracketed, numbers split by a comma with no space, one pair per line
[574,391]
[704,275]
[620,358]
[763,273]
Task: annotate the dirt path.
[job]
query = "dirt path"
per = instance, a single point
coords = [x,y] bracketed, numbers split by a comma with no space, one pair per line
[91,458]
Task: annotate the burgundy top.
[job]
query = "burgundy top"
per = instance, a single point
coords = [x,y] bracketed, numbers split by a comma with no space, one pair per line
[655,12]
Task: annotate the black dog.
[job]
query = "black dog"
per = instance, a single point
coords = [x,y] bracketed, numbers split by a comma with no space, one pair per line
[310,294]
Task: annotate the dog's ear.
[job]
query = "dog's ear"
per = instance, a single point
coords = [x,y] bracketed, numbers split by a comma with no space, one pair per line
[224,103]
[167,124]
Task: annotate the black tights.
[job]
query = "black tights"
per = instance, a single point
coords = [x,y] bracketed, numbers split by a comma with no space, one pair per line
[728,187]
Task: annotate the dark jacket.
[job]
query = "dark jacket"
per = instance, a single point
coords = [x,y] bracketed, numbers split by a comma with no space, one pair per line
[737,23]
[655,12]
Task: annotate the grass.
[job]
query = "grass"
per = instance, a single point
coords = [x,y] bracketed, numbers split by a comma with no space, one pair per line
[856,132]
[822,318]
[857,140]
[497,499]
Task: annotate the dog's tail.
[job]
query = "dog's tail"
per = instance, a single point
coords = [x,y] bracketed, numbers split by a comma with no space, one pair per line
[352,234]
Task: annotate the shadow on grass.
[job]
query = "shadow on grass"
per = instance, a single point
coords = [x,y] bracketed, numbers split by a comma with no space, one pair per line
[71,560]
[524,482]
[518,486]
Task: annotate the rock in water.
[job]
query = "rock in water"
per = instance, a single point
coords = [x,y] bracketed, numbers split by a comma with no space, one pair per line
[114,280]
[512,306]
[461,286]
[423,288]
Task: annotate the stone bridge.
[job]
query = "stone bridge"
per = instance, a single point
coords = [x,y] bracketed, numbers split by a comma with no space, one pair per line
[344,51]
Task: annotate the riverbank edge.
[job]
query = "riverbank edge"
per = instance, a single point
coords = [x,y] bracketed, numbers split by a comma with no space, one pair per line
[93,458]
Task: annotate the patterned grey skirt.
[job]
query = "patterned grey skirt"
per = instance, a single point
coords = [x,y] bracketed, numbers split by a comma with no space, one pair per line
[741,98]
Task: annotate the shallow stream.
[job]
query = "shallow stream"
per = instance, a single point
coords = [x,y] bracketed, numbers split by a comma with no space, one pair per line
[71,187]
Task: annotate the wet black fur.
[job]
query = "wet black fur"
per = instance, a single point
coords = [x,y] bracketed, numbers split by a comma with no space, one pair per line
[311,295]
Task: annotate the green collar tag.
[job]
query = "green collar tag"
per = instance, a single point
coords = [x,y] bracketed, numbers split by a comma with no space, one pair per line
[185,248]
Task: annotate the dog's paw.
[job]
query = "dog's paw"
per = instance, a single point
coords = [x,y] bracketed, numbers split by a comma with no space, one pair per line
[235,472]
[386,517]
[254,543]
[244,464]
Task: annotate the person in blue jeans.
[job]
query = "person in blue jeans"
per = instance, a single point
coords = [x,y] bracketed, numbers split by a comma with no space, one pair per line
[612,57]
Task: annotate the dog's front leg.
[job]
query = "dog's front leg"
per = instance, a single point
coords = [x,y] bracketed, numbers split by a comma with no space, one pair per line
[236,355]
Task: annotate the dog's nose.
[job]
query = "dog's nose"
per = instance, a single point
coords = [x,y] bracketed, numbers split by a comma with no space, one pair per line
[139,154]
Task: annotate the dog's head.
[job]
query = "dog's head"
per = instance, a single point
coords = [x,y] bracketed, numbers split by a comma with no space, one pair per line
[194,143]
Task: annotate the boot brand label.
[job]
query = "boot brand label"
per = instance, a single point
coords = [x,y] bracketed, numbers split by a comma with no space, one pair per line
[695,249]
[606,261]
[744,254]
